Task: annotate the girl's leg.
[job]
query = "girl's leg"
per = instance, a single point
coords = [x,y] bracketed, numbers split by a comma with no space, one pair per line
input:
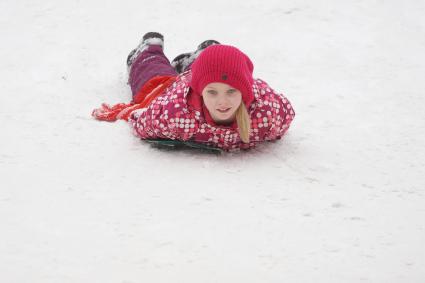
[150,63]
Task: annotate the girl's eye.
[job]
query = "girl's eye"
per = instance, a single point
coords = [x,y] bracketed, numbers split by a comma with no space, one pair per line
[212,92]
[231,91]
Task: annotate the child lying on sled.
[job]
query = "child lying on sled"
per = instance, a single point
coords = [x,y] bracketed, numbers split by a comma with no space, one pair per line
[207,96]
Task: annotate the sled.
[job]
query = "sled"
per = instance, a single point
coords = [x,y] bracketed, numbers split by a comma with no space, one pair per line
[177,144]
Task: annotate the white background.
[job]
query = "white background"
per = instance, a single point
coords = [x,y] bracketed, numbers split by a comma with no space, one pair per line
[339,199]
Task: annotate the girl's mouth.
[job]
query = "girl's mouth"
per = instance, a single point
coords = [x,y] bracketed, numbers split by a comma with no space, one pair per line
[223,110]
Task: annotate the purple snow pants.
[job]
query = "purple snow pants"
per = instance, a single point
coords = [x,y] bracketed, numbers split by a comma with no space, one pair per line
[150,63]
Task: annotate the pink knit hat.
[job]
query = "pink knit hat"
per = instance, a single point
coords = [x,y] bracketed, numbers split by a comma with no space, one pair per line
[225,64]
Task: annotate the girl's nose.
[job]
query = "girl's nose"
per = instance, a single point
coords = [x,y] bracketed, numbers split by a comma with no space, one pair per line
[222,101]
[222,104]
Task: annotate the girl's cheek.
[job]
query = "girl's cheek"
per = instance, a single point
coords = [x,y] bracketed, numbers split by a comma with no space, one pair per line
[236,101]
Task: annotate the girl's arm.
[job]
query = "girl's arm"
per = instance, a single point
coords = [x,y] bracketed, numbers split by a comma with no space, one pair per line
[277,110]
[159,121]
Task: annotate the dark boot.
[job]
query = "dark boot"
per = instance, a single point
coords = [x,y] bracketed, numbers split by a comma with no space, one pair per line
[183,61]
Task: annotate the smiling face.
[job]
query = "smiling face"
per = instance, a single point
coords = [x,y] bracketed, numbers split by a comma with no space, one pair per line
[222,101]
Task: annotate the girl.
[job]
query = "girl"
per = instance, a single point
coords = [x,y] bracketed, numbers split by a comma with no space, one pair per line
[208,96]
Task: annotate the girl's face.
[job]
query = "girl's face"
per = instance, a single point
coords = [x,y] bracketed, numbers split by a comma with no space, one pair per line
[222,101]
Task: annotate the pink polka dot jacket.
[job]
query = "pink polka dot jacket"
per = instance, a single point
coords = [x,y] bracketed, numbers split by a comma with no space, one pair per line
[179,114]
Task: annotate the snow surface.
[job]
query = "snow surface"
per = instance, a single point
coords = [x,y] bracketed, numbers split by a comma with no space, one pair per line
[339,199]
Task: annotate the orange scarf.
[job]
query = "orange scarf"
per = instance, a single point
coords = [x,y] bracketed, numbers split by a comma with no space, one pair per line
[150,90]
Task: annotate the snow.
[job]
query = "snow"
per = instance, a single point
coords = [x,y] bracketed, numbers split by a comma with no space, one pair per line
[339,199]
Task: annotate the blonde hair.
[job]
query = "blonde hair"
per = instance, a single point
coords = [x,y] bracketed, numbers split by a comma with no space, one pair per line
[244,122]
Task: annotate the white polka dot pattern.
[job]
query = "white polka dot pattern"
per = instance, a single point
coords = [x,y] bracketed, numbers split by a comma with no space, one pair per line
[168,116]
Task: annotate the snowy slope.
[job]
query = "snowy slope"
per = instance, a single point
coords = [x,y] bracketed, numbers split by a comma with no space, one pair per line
[339,199]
